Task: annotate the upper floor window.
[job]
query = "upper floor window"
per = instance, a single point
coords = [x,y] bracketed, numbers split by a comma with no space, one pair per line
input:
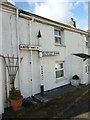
[57,34]
[86,41]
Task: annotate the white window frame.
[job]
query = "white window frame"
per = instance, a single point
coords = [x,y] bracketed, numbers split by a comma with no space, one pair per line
[58,36]
[87,68]
[59,69]
[86,42]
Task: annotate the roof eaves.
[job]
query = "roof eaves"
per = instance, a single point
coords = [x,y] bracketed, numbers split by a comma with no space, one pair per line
[53,22]
[8,4]
[46,20]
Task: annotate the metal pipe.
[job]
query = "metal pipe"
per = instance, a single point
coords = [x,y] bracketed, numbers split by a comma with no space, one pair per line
[31,61]
[17,37]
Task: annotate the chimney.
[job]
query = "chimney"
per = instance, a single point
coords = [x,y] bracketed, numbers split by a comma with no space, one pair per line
[72,23]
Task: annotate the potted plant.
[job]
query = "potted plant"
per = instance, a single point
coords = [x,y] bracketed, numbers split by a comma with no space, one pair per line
[16,99]
[75,80]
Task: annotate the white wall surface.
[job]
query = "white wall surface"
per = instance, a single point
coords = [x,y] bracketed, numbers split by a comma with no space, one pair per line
[1,77]
[75,43]
[24,31]
[9,34]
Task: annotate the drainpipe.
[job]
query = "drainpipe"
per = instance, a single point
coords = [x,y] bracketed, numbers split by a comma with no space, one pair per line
[41,72]
[1,88]
[42,85]
[31,61]
[17,37]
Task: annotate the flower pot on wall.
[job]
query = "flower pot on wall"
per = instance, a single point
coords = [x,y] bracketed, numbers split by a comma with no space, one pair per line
[75,81]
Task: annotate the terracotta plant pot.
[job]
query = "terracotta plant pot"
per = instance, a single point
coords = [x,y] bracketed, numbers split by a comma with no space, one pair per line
[17,104]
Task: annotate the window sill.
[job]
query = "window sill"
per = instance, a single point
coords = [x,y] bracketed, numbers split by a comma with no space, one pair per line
[60,79]
[60,45]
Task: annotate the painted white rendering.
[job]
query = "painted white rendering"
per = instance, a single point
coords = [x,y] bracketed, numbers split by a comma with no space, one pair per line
[48,61]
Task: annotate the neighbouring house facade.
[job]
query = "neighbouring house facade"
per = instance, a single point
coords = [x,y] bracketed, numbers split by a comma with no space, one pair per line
[51,52]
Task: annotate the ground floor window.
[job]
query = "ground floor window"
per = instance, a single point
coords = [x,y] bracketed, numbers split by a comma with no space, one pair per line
[87,68]
[59,69]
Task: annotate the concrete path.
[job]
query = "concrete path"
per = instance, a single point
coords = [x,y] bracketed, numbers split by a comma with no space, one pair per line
[85,115]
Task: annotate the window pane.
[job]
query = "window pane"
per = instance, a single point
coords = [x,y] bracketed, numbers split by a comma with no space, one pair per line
[57,32]
[86,43]
[57,66]
[59,73]
[62,73]
[61,65]
[58,40]
[86,37]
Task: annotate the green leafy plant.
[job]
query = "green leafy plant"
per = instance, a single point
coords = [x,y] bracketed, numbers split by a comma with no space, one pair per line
[75,77]
[15,94]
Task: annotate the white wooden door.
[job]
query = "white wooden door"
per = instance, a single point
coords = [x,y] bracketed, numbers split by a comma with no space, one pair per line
[26,74]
